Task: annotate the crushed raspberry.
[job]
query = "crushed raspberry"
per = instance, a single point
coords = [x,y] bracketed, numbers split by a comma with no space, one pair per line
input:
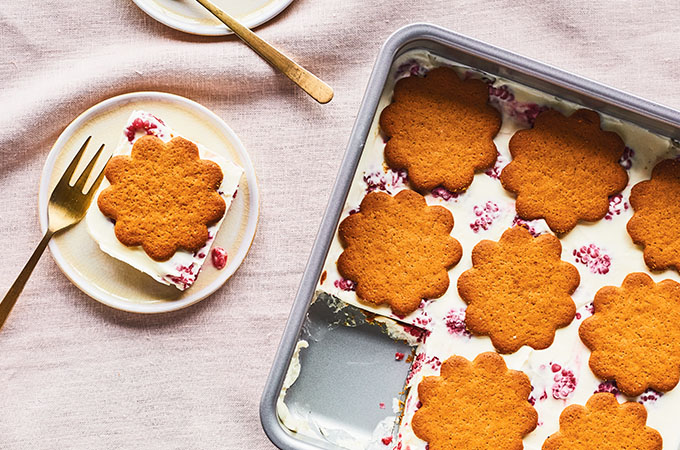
[421,361]
[455,323]
[386,182]
[532,398]
[423,319]
[399,177]
[201,255]
[140,124]
[444,194]
[410,68]
[565,383]
[555,367]
[387,440]
[495,171]
[399,356]
[375,181]
[345,284]
[185,276]
[504,100]
[626,159]
[219,258]
[518,221]
[588,310]
[502,93]
[420,334]
[607,386]
[594,258]
[381,405]
[485,214]
[617,205]
[186,269]
[649,396]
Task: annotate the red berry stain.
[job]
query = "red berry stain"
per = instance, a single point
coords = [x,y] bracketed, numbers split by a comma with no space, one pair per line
[421,360]
[455,323]
[444,194]
[617,205]
[419,333]
[594,258]
[399,356]
[485,214]
[219,258]
[565,382]
[345,284]
[607,386]
[495,171]
[387,440]
[518,221]
[139,124]
[650,395]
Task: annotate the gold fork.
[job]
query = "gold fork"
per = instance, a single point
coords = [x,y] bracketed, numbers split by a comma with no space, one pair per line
[67,206]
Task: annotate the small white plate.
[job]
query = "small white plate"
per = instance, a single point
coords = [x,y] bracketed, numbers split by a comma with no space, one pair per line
[113,282]
[189,16]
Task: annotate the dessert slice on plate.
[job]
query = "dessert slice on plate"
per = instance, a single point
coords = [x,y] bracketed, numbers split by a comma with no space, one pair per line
[163,202]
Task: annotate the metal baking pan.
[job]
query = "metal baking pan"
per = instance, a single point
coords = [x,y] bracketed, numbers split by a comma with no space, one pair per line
[334,385]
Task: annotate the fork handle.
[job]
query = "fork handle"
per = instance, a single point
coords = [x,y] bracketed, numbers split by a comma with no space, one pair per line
[13,294]
[309,83]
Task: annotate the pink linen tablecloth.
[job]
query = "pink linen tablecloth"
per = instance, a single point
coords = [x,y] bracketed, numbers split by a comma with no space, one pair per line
[75,374]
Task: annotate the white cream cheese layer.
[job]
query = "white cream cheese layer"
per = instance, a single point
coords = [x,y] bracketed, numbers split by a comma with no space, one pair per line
[602,251]
[182,269]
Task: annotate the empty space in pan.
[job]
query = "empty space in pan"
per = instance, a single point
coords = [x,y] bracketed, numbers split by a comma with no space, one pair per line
[350,376]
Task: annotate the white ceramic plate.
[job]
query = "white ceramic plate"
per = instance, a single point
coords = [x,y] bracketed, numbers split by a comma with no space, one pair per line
[113,282]
[189,16]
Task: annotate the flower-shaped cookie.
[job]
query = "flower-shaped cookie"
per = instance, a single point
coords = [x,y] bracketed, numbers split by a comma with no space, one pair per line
[162,197]
[655,224]
[440,129]
[564,169]
[398,250]
[477,405]
[519,290]
[604,424]
[634,334]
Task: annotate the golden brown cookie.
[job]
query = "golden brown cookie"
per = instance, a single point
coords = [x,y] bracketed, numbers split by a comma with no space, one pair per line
[398,250]
[656,222]
[604,424]
[477,405]
[634,334]
[162,197]
[519,290]
[440,129]
[564,169]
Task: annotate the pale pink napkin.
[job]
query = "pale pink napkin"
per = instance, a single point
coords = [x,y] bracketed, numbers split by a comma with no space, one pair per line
[75,374]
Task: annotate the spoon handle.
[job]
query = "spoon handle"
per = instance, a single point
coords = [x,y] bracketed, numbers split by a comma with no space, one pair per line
[309,83]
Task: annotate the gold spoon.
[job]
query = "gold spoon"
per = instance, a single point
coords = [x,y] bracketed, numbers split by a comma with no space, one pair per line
[309,83]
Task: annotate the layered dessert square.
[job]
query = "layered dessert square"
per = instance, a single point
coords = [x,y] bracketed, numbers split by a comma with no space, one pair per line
[177,265]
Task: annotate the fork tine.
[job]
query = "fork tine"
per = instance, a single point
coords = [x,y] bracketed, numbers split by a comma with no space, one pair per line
[80,184]
[66,177]
[98,181]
